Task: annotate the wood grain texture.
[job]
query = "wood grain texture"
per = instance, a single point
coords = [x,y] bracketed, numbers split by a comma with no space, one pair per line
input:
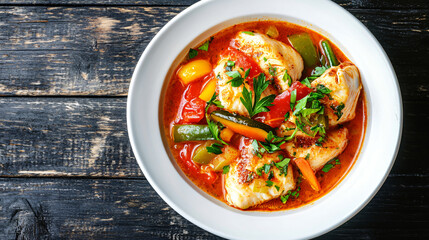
[130,209]
[93,50]
[87,137]
[393,4]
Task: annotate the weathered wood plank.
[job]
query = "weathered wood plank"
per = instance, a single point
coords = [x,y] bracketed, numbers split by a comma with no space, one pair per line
[93,50]
[88,137]
[394,4]
[65,137]
[74,51]
[130,209]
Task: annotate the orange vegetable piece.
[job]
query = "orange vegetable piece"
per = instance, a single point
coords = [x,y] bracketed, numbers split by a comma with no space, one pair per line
[208,90]
[226,134]
[307,172]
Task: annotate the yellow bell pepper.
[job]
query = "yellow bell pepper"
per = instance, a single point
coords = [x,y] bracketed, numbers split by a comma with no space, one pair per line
[194,70]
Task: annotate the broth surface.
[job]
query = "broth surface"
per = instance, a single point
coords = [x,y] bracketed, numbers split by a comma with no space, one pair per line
[182,151]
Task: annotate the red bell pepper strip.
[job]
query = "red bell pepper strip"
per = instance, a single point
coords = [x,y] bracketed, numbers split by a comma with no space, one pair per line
[281,105]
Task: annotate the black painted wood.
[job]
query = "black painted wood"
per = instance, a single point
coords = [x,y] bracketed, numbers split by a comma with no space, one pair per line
[93,50]
[129,209]
[87,137]
[66,167]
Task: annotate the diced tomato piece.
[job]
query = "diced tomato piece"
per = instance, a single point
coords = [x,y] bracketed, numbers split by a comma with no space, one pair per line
[193,111]
[281,105]
[243,61]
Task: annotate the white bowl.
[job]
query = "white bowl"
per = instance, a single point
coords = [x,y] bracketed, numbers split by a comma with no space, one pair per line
[205,18]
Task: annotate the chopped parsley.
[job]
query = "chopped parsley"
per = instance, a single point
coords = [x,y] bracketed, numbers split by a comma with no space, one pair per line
[306,82]
[229,65]
[248,32]
[215,148]
[272,70]
[293,99]
[192,53]
[288,78]
[328,166]
[267,168]
[246,74]
[269,183]
[283,165]
[214,101]
[265,59]
[205,46]
[321,88]
[308,156]
[214,129]
[257,105]
[236,80]
[250,177]
[338,110]
[225,169]
[277,187]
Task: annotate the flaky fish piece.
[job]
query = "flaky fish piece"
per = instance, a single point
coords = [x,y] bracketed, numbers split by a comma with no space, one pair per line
[245,188]
[230,96]
[335,142]
[273,57]
[344,82]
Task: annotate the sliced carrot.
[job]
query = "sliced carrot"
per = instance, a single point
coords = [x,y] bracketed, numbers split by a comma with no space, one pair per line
[248,131]
[226,134]
[307,172]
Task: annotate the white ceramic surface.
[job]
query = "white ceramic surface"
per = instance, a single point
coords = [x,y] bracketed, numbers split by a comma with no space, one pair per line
[365,178]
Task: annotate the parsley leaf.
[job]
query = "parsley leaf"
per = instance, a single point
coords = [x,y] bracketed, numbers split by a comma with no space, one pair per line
[308,156]
[272,70]
[338,110]
[330,165]
[236,80]
[246,74]
[288,78]
[205,46]
[321,88]
[215,148]
[269,183]
[293,98]
[248,32]
[306,82]
[318,71]
[277,187]
[229,65]
[267,168]
[214,101]
[257,105]
[282,166]
[225,169]
[214,129]
[192,53]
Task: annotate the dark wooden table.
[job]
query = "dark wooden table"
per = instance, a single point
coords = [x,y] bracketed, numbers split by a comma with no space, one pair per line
[66,165]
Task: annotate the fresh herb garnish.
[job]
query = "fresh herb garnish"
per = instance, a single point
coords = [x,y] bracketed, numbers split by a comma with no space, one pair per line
[246,74]
[229,65]
[214,101]
[318,71]
[248,32]
[272,70]
[225,169]
[192,53]
[288,78]
[269,183]
[307,156]
[271,175]
[306,82]
[277,187]
[328,166]
[321,88]
[292,98]
[267,168]
[214,129]
[338,110]
[215,148]
[257,105]
[236,80]
[205,46]
[250,177]
[265,59]
[283,165]
[287,115]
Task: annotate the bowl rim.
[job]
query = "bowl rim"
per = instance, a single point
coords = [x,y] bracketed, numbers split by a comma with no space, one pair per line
[201,219]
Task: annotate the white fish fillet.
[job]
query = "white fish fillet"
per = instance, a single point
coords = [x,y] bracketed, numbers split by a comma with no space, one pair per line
[344,82]
[336,141]
[241,194]
[266,51]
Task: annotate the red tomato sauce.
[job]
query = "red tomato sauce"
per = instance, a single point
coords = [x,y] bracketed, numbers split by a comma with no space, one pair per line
[182,105]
